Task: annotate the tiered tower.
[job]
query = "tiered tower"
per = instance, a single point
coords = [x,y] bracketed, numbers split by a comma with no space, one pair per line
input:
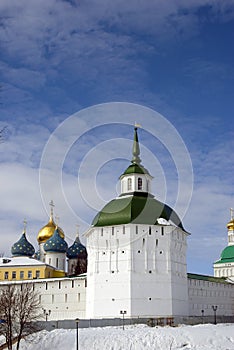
[137,253]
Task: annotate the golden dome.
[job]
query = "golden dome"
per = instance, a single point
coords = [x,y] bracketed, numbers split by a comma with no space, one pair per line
[230,225]
[47,231]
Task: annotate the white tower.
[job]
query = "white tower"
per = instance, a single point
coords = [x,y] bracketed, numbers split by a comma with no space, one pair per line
[136,253]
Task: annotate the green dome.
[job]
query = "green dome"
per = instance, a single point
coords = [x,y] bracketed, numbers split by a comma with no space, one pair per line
[227,255]
[136,209]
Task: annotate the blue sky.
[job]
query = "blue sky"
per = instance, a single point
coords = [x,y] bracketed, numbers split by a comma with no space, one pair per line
[59,57]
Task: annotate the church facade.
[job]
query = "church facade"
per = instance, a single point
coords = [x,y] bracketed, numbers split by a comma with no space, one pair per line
[135,261]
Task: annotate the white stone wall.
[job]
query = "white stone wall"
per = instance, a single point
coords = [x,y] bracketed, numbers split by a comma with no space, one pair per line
[137,268]
[203,294]
[224,270]
[57,260]
[133,178]
[64,297]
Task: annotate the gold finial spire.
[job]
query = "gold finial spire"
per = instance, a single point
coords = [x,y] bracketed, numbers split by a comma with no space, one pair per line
[51,208]
[230,225]
[77,230]
[232,213]
[56,220]
[25,225]
[137,125]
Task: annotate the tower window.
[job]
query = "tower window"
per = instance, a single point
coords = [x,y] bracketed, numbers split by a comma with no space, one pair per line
[129,184]
[136,230]
[139,183]
[150,230]
[56,262]
[162,231]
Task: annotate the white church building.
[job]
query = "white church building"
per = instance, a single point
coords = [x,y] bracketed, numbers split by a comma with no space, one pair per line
[136,248]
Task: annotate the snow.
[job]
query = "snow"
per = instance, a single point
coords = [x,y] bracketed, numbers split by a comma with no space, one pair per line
[19,261]
[140,337]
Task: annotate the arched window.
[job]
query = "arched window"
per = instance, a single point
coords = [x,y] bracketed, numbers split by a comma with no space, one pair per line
[139,183]
[129,184]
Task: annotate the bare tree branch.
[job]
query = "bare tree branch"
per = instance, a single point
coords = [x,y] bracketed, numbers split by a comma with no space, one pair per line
[20,308]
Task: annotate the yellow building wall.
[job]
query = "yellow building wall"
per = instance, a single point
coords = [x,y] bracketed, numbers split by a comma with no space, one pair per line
[18,273]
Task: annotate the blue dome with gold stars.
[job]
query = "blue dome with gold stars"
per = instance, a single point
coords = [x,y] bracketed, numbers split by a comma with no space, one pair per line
[22,247]
[76,249]
[56,243]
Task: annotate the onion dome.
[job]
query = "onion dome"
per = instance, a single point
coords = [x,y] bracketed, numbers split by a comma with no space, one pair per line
[230,225]
[76,250]
[56,243]
[22,247]
[227,255]
[47,231]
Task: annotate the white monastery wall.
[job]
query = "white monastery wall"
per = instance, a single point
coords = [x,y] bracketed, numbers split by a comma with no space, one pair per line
[203,294]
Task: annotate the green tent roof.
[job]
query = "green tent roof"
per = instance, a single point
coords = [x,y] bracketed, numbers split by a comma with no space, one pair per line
[135,169]
[227,255]
[136,209]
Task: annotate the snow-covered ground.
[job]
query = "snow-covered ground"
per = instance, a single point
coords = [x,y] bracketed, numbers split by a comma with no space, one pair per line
[140,337]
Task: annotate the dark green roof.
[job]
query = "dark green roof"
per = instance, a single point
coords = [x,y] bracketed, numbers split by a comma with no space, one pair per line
[22,247]
[195,276]
[135,169]
[136,209]
[227,255]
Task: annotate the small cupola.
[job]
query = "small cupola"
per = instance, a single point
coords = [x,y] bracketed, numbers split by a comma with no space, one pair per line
[56,243]
[135,179]
[23,247]
[77,249]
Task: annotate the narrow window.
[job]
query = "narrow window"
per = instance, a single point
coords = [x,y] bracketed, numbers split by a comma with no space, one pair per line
[156,242]
[37,274]
[30,274]
[112,231]
[46,286]
[56,262]
[139,183]
[129,184]
[136,230]
[150,230]
[123,230]
[59,284]
[65,298]
[143,241]
[21,275]
[6,275]
[72,283]
[78,297]
[162,231]
[102,231]
[52,298]
[13,274]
